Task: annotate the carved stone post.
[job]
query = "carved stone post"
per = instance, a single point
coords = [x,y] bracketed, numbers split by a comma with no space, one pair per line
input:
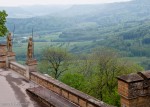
[10,54]
[31,62]
[134,89]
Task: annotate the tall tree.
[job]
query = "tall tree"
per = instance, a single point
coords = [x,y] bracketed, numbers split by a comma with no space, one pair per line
[57,60]
[96,74]
[3,28]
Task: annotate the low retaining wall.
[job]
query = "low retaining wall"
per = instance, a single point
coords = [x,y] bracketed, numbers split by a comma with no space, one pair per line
[69,93]
[18,68]
[58,87]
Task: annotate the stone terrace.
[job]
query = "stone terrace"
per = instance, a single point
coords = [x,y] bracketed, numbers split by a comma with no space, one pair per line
[13,90]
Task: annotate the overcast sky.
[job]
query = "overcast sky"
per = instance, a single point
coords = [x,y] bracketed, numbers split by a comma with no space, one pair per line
[45,2]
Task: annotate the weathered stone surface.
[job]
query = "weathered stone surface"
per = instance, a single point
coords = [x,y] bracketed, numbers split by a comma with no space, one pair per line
[123,88]
[31,62]
[90,105]
[130,78]
[50,98]
[2,56]
[73,98]
[57,90]
[82,103]
[2,50]
[13,90]
[135,89]
[18,68]
[66,91]
[65,94]
[2,64]
[9,54]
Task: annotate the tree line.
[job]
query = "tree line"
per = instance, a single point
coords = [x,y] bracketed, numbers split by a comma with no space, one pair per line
[94,73]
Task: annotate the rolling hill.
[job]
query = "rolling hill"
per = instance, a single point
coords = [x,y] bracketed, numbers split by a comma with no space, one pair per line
[122,26]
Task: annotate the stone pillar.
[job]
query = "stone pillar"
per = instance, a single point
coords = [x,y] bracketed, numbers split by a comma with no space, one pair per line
[31,66]
[10,54]
[3,56]
[134,89]
[31,62]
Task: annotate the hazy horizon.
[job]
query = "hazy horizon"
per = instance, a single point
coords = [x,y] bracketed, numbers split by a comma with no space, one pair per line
[54,2]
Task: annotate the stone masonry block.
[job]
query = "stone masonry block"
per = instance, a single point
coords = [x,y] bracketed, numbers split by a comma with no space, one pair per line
[90,105]
[73,98]
[57,90]
[65,94]
[82,103]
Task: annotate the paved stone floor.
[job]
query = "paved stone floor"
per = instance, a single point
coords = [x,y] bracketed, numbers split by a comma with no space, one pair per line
[13,90]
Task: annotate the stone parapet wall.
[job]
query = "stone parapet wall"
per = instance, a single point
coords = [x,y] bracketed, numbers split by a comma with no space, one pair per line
[18,68]
[69,93]
[58,87]
[134,89]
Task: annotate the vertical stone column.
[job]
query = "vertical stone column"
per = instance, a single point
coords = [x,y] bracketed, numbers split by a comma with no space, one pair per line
[134,89]
[31,66]
[31,62]
[3,56]
[10,54]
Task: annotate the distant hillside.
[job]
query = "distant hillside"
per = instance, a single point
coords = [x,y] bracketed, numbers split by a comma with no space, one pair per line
[124,26]
[128,21]
[16,12]
[102,15]
[33,11]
